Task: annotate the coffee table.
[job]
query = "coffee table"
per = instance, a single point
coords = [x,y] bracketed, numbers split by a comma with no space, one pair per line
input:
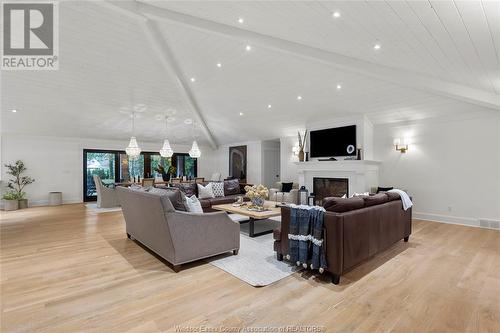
[253,215]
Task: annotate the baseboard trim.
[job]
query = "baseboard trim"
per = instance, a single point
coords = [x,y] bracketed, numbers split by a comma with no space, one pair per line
[459,220]
[40,203]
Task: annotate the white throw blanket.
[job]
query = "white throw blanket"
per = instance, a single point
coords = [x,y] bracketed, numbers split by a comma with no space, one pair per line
[405,198]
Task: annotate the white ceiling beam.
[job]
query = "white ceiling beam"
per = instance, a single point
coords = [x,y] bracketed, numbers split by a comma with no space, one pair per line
[396,76]
[166,57]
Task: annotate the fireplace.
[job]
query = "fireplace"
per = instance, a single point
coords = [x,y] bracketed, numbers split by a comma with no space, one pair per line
[329,187]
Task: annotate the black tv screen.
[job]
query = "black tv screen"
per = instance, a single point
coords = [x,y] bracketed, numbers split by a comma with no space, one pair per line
[338,141]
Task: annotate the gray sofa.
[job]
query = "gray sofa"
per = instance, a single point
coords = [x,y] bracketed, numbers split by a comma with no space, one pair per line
[178,237]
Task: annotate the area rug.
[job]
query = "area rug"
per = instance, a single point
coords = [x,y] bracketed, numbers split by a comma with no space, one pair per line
[93,208]
[256,262]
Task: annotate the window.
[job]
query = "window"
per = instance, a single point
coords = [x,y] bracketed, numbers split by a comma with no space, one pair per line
[186,165]
[114,166]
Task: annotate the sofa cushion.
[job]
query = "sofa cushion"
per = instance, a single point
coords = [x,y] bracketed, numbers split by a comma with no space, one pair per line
[286,187]
[392,196]
[376,199]
[232,187]
[189,189]
[340,205]
[174,195]
[205,203]
[384,189]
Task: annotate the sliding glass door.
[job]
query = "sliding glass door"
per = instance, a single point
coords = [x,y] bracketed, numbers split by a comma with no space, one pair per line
[100,163]
[114,166]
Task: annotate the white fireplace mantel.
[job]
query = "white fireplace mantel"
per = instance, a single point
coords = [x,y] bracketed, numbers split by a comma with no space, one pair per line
[362,175]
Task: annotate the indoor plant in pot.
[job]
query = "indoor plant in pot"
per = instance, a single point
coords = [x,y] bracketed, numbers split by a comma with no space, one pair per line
[10,201]
[19,181]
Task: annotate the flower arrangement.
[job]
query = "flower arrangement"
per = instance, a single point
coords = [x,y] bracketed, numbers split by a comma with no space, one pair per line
[257,193]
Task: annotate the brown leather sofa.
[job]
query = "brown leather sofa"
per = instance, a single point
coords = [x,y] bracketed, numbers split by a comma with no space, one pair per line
[355,230]
[232,189]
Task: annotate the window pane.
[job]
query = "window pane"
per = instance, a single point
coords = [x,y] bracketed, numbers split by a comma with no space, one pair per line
[189,169]
[158,160]
[102,165]
[130,168]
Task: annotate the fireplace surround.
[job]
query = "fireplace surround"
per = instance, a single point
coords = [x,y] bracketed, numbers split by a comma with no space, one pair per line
[324,187]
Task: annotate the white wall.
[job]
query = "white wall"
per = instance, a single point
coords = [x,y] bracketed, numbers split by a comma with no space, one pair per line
[56,162]
[289,171]
[452,168]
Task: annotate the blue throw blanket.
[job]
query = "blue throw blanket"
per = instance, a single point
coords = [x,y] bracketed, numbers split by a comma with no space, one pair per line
[305,238]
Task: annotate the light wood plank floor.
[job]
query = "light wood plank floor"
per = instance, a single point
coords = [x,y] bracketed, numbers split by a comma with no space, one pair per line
[67,269]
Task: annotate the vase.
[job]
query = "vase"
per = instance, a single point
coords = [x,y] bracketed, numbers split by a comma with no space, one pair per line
[165,177]
[23,203]
[259,202]
[10,204]
[301,155]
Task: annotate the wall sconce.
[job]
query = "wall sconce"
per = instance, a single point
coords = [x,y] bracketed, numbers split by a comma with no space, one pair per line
[402,145]
[295,150]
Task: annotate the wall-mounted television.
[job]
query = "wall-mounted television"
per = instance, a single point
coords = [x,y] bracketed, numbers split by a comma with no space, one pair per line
[338,141]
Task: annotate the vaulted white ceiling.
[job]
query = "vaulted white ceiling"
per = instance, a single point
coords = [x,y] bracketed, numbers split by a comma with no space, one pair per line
[110,62]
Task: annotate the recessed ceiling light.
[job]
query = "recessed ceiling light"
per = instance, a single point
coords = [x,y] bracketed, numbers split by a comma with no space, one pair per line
[299,97]
[248,48]
[269,106]
[377,46]
[188,121]
[219,65]
[336,14]
[339,87]
[241,113]
[192,79]
[241,20]
[14,110]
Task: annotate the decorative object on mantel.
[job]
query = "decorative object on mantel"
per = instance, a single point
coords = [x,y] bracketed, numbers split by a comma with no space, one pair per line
[402,144]
[307,156]
[358,155]
[303,195]
[257,194]
[302,144]
[18,183]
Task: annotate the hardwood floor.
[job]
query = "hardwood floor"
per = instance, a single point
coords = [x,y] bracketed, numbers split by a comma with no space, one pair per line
[67,269]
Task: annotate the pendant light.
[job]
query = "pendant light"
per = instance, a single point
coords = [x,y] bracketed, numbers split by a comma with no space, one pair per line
[133,149]
[195,151]
[166,150]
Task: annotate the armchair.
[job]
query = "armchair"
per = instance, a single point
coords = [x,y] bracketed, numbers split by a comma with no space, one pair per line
[106,197]
[276,194]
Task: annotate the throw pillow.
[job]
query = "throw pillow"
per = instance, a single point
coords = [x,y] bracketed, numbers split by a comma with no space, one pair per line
[173,194]
[231,187]
[218,189]
[360,194]
[205,192]
[384,189]
[193,205]
[286,187]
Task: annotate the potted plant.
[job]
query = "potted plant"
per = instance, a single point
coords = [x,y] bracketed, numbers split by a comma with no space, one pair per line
[164,174]
[11,201]
[19,181]
[302,144]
